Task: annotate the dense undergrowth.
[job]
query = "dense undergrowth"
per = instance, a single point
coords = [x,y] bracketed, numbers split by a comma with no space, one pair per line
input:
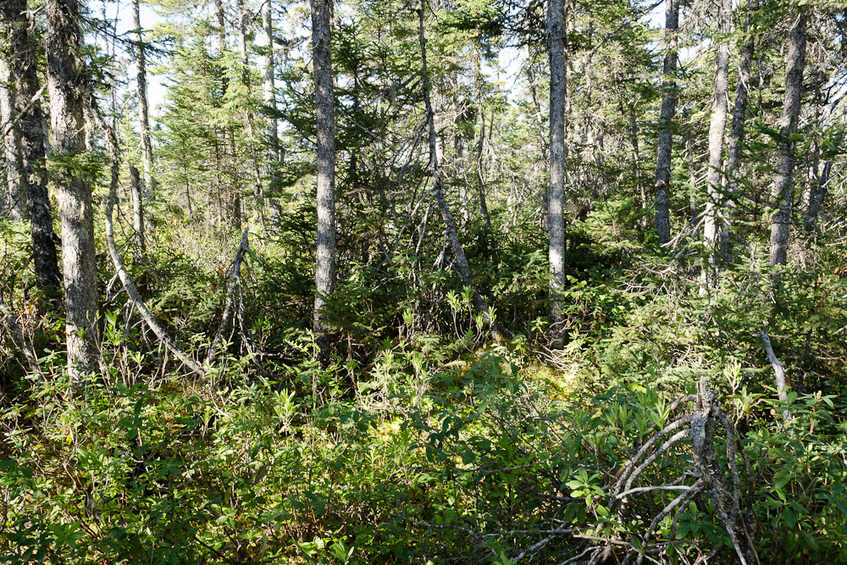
[423,442]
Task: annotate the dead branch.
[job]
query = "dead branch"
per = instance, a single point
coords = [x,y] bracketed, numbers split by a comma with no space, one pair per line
[234,275]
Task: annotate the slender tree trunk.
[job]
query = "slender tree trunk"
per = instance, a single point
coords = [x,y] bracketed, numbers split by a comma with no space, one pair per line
[817,194]
[270,89]
[143,109]
[438,188]
[665,144]
[137,212]
[783,180]
[32,125]
[742,90]
[556,206]
[325,108]
[14,200]
[717,127]
[258,189]
[65,79]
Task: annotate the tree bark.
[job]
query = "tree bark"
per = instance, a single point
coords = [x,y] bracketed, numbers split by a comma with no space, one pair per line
[717,127]
[32,126]
[556,198]
[270,89]
[783,180]
[817,194]
[325,108]
[143,109]
[665,143]
[137,212]
[66,82]
[438,188]
[13,202]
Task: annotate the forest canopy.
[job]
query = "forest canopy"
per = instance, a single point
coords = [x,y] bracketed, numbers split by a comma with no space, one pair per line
[423,281]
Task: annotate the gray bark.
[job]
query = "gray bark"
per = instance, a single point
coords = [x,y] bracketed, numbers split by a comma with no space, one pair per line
[325,108]
[783,180]
[270,89]
[143,109]
[13,202]
[438,188]
[258,189]
[126,279]
[137,212]
[556,198]
[665,143]
[32,126]
[65,80]
[717,126]
[817,194]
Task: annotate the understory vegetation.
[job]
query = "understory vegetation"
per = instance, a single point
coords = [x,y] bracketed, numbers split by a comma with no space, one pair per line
[424,441]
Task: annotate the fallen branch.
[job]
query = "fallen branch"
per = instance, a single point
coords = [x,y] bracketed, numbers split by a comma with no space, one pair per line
[779,371]
[125,277]
[18,336]
[234,275]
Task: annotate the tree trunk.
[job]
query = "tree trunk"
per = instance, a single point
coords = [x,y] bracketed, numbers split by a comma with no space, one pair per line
[32,125]
[258,189]
[65,79]
[556,199]
[270,90]
[781,194]
[13,202]
[717,127]
[817,194]
[665,144]
[325,108]
[137,212]
[438,188]
[143,110]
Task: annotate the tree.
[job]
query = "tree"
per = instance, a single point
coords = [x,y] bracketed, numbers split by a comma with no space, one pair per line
[13,200]
[73,169]
[144,131]
[717,126]
[783,179]
[665,144]
[23,66]
[325,113]
[556,198]
[438,188]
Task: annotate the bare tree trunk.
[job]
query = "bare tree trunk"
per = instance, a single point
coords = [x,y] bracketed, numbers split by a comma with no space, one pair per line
[258,189]
[717,127]
[325,108]
[665,144]
[438,187]
[23,65]
[556,207]
[143,110]
[270,90]
[65,79]
[742,91]
[13,201]
[137,212]
[817,194]
[783,180]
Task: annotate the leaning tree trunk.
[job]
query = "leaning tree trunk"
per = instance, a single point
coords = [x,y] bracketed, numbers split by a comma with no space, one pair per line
[781,194]
[438,188]
[717,126]
[325,108]
[556,198]
[32,125]
[665,144]
[65,79]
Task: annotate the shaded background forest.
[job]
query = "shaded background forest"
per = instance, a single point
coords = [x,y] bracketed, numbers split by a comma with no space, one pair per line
[431,414]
